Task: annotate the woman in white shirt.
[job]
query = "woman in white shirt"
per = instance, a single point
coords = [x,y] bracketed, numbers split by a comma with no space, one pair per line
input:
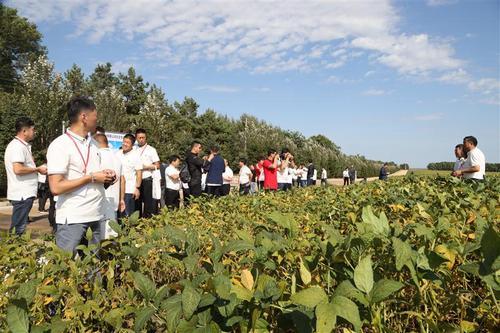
[227,177]
[245,177]
[172,183]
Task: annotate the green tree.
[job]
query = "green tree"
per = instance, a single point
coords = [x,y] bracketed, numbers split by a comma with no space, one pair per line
[110,106]
[20,42]
[133,88]
[101,78]
[74,81]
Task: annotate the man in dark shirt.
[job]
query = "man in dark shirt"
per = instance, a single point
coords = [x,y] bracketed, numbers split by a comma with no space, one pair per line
[195,165]
[310,173]
[352,175]
[215,166]
[383,172]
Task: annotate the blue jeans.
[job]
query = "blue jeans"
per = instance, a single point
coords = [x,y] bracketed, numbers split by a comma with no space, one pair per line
[129,204]
[69,236]
[20,212]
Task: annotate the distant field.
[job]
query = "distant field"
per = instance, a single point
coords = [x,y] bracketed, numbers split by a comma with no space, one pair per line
[423,172]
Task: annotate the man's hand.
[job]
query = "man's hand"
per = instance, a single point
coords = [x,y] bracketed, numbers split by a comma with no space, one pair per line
[121,206]
[105,176]
[137,194]
[457,173]
[42,169]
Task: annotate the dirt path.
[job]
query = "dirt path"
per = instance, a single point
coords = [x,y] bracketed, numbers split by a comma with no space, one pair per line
[340,181]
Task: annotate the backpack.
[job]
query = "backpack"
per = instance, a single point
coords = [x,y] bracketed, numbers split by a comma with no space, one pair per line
[184,173]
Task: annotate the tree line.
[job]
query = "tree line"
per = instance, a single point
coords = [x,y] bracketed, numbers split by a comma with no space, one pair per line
[125,101]
[490,167]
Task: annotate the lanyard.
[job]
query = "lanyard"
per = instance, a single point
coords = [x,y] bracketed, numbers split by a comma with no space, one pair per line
[143,149]
[27,147]
[85,163]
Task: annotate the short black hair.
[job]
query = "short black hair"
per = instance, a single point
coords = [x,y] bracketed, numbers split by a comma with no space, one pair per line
[173,158]
[139,131]
[271,151]
[471,139]
[195,143]
[243,160]
[130,136]
[100,129]
[77,105]
[460,145]
[215,149]
[23,122]
[101,138]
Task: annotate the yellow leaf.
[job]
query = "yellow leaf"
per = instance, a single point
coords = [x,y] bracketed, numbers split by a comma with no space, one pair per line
[305,276]
[247,279]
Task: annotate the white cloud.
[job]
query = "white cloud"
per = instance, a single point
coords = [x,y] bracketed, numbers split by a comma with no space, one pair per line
[457,76]
[376,92]
[261,36]
[435,3]
[262,89]
[485,86]
[218,89]
[429,117]
[369,73]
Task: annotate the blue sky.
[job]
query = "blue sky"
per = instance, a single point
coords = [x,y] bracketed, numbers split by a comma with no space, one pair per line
[400,81]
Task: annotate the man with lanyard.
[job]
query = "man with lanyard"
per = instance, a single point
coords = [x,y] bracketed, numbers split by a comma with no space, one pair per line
[76,177]
[22,174]
[150,162]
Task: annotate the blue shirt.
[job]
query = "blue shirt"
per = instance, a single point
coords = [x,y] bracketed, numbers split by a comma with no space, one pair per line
[215,170]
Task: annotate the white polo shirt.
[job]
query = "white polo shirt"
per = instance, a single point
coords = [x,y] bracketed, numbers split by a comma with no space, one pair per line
[475,157]
[148,156]
[323,174]
[289,176]
[245,174]
[66,156]
[282,176]
[20,187]
[130,165]
[459,164]
[228,173]
[109,160]
[172,184]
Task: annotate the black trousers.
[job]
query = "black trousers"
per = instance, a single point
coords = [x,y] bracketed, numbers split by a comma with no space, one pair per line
[226,189]
[172,198]
[214,190]
[346,181]
[43,195]
[150,205]
[245,189]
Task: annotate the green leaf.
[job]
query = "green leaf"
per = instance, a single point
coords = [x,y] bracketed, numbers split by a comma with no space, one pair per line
[28,290]
[363,275]
[325,317]
[145,285]
[115,226]
[305,276]
[114,318]
[190,300]
[377,225]
[242,292]
[403,252]
[237,245]
[222,286]
[346,289]
[383,289]
[490,247]
[17,316]
[173,309]
[142,317]
[310,297]
[348,310]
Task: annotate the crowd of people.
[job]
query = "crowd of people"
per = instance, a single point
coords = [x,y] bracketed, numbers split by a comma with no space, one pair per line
[88,184]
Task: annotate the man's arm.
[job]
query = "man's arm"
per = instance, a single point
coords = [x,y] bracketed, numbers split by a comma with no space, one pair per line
[20,169]
[121,204]
[60,185]
[138,182]
[472,169]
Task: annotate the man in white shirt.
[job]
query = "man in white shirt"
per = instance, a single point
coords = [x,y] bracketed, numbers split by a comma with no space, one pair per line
[323,177]
[475,165]
[132,173]
[315,176]
[460,155]
[172,182]
[150,163]
[227,178]
[345,175]
[114,194]
[22,174]
[77,178]
[245,177]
